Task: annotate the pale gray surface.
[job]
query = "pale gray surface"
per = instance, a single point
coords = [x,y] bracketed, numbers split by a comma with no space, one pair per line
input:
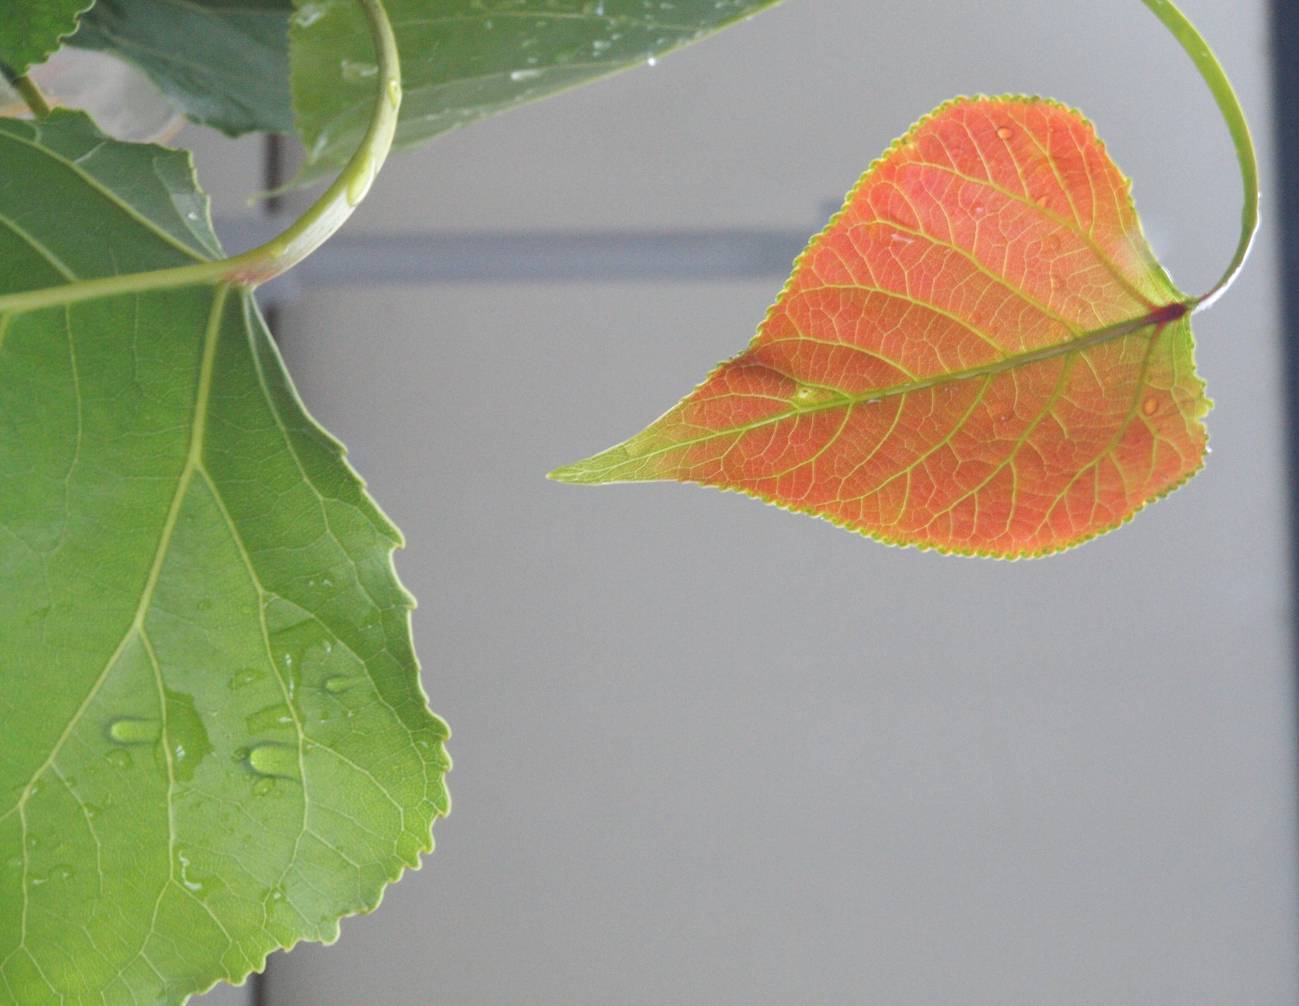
[226,995]
[709,753]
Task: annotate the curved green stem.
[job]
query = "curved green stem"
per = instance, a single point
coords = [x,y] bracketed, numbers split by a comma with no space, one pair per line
[327,214]
[31,94]
[299,240]
[28,91]
[1211,71]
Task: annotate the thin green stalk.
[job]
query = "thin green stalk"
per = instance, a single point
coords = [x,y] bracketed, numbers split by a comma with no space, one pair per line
[31,94]
[1213,75]
[28,91]
[327,214]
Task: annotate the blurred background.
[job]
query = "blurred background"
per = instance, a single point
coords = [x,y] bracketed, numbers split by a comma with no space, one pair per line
[710,753]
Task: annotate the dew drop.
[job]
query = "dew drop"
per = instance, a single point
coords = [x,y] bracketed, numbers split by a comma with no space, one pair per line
[307,15]
[131,730]
[354,71]
[394,92]
[277,760]
[1004,132]
[357,187]
[195,882]
[338,684]
[263,786]
[1150,406]
[244,678]
[979,209]
[518,75]
[189,739]
[272,717]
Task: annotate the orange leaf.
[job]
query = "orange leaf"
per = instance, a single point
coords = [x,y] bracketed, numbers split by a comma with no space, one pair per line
[980,353]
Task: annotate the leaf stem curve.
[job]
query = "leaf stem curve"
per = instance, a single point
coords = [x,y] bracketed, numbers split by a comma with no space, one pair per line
[1211,71]
[28,91]
[328,213]
[282,252]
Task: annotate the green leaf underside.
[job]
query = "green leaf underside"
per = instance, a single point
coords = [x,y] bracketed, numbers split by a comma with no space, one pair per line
[463,60]
[223,63]
[215,739]
[31,29]
[980,353]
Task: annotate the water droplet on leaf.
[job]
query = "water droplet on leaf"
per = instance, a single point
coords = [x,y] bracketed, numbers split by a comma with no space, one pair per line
[277,760]
[354,72]
[307,15]
[241,679]
[132,730]
[273,717]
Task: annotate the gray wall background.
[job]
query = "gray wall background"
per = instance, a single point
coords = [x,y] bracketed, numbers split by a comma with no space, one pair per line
[710,753]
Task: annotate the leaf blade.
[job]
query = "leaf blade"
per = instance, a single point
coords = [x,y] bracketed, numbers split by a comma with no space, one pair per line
[220,744]
[462,61]
[994,241]
[32,29]
[222,64]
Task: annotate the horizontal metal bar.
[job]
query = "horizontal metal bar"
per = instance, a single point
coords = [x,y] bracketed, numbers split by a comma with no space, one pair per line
[537,256]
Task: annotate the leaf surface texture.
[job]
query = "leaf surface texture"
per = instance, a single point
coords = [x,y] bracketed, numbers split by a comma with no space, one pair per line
[979,354]
[215,742]
[31,29]
[466,59]
[223,63]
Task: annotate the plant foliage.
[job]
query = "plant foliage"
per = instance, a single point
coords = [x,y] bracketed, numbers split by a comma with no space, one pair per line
[979,354]
[215,741]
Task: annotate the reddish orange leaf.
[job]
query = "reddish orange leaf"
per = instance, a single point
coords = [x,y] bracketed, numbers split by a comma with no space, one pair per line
[979,354]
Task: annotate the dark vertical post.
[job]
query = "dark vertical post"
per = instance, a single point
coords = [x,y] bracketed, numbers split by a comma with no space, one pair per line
[1285,117]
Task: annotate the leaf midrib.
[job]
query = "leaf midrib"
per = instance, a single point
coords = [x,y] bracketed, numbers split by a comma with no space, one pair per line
[1164,315]
[193,460]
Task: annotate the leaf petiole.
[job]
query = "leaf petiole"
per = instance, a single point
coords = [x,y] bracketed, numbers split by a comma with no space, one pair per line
[328,213]
[280,254]
[28,91]
[1215,77]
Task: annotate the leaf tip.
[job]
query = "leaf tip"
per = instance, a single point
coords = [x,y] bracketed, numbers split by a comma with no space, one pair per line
[595,470]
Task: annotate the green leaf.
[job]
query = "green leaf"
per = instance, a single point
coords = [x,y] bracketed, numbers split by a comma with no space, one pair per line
[223,63]
[31,29]
[463,60]
[215,741]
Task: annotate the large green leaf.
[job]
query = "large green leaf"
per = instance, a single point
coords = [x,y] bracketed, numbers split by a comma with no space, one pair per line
[215,742]
[224,63]
[466,59]
[31,29]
